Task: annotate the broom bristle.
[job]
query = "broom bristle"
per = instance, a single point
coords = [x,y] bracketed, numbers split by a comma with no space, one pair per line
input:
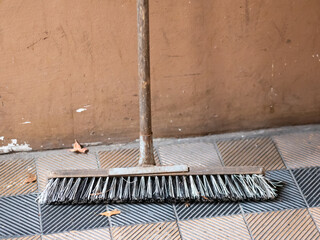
[199,188]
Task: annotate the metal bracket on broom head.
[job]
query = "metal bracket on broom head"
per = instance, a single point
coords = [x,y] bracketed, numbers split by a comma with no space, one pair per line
[176,170]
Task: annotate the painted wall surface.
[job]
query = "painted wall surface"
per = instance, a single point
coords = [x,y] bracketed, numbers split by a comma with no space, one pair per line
[68,68]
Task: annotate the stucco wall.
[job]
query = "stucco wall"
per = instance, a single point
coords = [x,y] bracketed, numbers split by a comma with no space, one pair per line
[216,66]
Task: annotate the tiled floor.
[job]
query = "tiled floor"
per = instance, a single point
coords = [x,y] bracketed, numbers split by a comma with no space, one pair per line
[290,155]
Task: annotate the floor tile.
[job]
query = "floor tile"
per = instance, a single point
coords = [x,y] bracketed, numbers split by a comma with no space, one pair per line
[13,173]
[59,218]
[19,215]
[135,213]
[251,152]
[206,210]
[33,237]
[309,182]
[288,224]
[65,161]
[161,230]
[93,234]
[226,227]
[193,154]
[299,149]
[315,212]
[122,158]
[289,196]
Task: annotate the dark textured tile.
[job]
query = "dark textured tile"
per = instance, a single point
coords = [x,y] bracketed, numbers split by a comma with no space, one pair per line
[59,218]
[289,196]
[33,237]
[206,210]
[19,215]
[135,213]
[251,152]
[309,182]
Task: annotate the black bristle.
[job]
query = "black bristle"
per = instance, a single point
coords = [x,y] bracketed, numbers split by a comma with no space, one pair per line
[104,193]
[200,188]
[112,190]
[157,194]
[195,195]
[207,189]
[81,191]
[135,190]
[126,192]
[119,198]
[142,190]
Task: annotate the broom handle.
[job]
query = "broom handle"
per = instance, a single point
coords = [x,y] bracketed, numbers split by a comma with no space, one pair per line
[146,143]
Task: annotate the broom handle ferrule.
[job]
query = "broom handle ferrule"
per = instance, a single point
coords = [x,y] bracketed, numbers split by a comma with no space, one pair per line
[146,143]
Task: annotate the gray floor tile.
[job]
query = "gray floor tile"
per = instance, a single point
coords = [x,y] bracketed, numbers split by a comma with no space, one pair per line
[19,215]
[59,218]
[206,210]
[136,213]
[289,196]
[309,182]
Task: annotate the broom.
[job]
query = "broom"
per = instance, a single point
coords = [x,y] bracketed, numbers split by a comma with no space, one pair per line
[148,182]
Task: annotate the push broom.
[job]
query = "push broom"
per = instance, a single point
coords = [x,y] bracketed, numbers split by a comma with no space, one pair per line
[148,182]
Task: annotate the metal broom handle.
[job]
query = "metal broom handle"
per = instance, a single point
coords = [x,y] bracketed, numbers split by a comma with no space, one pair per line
[146,143]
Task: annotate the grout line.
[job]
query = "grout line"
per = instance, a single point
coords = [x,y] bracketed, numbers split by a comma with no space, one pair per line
[96,154]
[177,220]
[110,223]
[218,152]
[245,221]
[156,151]
[280,154]
[38,193]
[298,187]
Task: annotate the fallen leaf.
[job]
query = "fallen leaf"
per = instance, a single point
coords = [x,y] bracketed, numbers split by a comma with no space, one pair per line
[110,213]
[78,148]
[31,178]
[96,194]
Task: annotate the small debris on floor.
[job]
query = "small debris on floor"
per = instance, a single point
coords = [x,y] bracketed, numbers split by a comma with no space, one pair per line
[77,148]
[110,213]
[31,178]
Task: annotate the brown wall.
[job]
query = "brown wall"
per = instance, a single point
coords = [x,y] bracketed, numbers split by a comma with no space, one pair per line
[216,66]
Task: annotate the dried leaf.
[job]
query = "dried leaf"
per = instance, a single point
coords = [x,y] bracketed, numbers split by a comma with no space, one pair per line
[31,178]
[110,213]
[96,194]
[78,148]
